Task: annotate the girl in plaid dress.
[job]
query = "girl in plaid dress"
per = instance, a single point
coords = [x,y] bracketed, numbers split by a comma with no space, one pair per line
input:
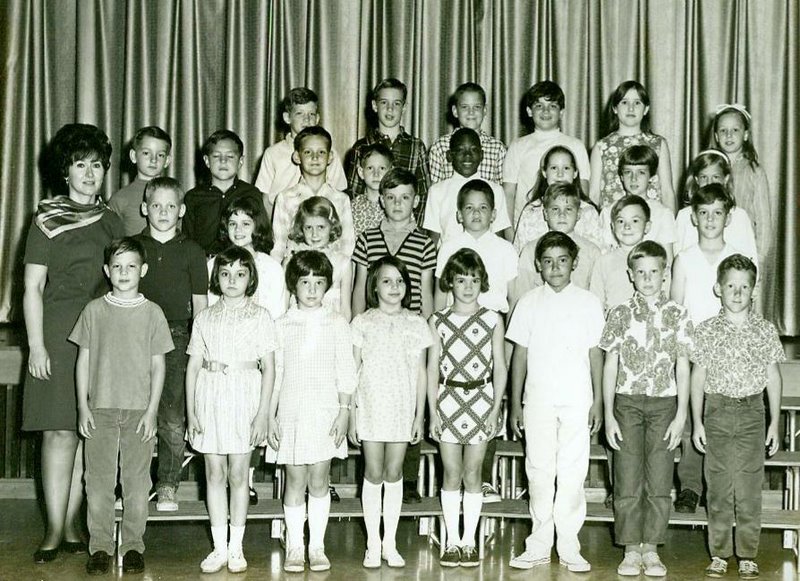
[466,381]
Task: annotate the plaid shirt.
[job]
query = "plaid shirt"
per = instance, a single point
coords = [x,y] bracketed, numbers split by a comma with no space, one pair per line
[490,169]
[409,153]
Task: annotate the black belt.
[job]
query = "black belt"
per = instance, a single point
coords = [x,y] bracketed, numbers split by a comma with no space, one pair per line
[464,384]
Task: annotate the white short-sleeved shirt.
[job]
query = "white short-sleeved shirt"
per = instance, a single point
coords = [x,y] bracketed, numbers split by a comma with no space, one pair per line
[558,329]
[440,211]
[662,226]
[701,275]
[521,165]
[739,233]
[498,256]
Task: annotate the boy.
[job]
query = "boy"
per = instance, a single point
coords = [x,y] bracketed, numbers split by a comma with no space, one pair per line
[466,154]
[561,203]
[278,171]
[388,103]
[544,104]
[735,358]
[205,203]
[150,153]
[469,110]
[555,330]
[376,160]
[630,223]
[647,341]
[637,165]
[312,152]
[122,338]
[177,282]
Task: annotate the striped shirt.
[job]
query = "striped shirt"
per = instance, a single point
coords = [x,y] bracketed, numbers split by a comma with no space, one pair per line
[490,169]
[417,252]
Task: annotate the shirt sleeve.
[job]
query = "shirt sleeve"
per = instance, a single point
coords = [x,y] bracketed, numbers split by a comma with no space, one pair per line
[357,331]
[196,345]
[774,352]
[266,174]
[618,322]
[422,332]
[432,220]
[527,277]
[280,227]
[345,365]
[348,240]
[81,334]
[501,221]
[428,256]
[360,251]
[511,163]
[198,270]
[764,226]
[521,323]
[336,176]
[160,337]
[37,247]
[438,161]
[267,342]
[354,181]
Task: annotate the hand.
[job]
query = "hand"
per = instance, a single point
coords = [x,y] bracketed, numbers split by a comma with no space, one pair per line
[85,423]
[339,428]
[772,442]
[274,433]
[492,424]
[193,426]
[613,433]
[258,430]
[699,437]
[39,363]
[416,431]
[517,422]
[595,418]
[352,433]
[147,425]
[436,427]
[674,433]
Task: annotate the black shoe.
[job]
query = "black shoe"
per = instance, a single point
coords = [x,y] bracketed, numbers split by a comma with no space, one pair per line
[334,495]
[98,563]
[133,562]
[253,496]
[73,547]
[45,556]
[410,493]
[686,501]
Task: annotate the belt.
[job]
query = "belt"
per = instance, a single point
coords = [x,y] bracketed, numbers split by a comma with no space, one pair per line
[220,367]
[464,384]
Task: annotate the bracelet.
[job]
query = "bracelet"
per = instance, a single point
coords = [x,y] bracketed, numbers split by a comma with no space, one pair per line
[345,406]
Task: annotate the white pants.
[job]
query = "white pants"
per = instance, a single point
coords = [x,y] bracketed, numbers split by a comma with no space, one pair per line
[556,463]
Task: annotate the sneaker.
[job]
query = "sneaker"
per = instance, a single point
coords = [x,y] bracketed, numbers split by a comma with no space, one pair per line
[653,567]
[575,563]
[490,493]
[410,493]
[609,501]
[317,561]
[686,502]
[253,496]
[393,558]
[717,568]
[631,565]
[451,557]
[236,561]
[133,562]
[215,561]
[334,495]
[748,569]
[166,499]
[527,560]
[469,555]
[295,561]
[372,559]
[98,563]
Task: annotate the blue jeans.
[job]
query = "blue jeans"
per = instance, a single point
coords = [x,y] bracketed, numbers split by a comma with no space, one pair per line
[115,437]
[735,431]
[643,469]
[172,409]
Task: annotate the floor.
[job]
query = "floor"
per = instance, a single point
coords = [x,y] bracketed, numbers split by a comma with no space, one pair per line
[175,550]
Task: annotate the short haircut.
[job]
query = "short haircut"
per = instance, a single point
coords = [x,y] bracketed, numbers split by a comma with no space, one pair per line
[77,141]
[469,87]
[317,207]
[263,239]
[126,244]
[164,183]
[639,155]
[313,131]
[308,263]
[298,96]
[219,135]
[372,280]
[547,90]
[736,262]
[462,133]
[647,249]
[555,239]
[558,190]
[465,262]
[711,193]
[398,176]
[375,149]
[390,83]
[475,185]
[227,257]
[154,132]
[619,94]
[630,200]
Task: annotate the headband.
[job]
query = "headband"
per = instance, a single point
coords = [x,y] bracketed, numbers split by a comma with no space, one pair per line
[734,106]
[715,152]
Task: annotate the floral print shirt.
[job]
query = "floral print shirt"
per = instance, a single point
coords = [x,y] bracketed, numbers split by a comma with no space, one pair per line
[366,214]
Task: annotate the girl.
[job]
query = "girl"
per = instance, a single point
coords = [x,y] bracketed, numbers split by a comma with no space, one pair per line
[389,344]
[229,381]
[712,167]
[731,134]
[316,226]
[558,165]
[629,110]
[467,363]
[310,406]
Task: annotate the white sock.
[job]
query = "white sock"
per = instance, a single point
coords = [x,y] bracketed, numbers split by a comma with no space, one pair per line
[318,510]
[250,474]
[371,503]
[235,544]
[295,517]
[219,536]
[451,509]
[473,502]
[392,503]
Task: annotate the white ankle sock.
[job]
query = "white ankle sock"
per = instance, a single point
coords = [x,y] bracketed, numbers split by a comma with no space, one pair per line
[473,502]
[319,507]
[451,509]
[371,503]
[295,517]
[219,536]
[392,503]
[235,544]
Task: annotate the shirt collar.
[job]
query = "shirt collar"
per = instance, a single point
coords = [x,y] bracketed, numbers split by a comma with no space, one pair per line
[641,303]
[408,228]
[376,135]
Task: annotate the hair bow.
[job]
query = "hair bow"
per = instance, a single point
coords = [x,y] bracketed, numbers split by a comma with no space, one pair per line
[736,107]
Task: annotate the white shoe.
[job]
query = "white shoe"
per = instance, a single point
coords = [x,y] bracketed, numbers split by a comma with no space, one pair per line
[575,563]
[295,560]
[527,560]
[393,558]
[653,567]
[372,559]
[317,561]
[215,561]
[236,562]
[166,499]
[631,564]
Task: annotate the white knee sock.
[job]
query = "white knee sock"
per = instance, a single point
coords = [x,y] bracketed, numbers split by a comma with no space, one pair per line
[295,517]
[473,502]
[371,503]
[318,510]
[392,503]
[219,536]
[451,510]
[235,544]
